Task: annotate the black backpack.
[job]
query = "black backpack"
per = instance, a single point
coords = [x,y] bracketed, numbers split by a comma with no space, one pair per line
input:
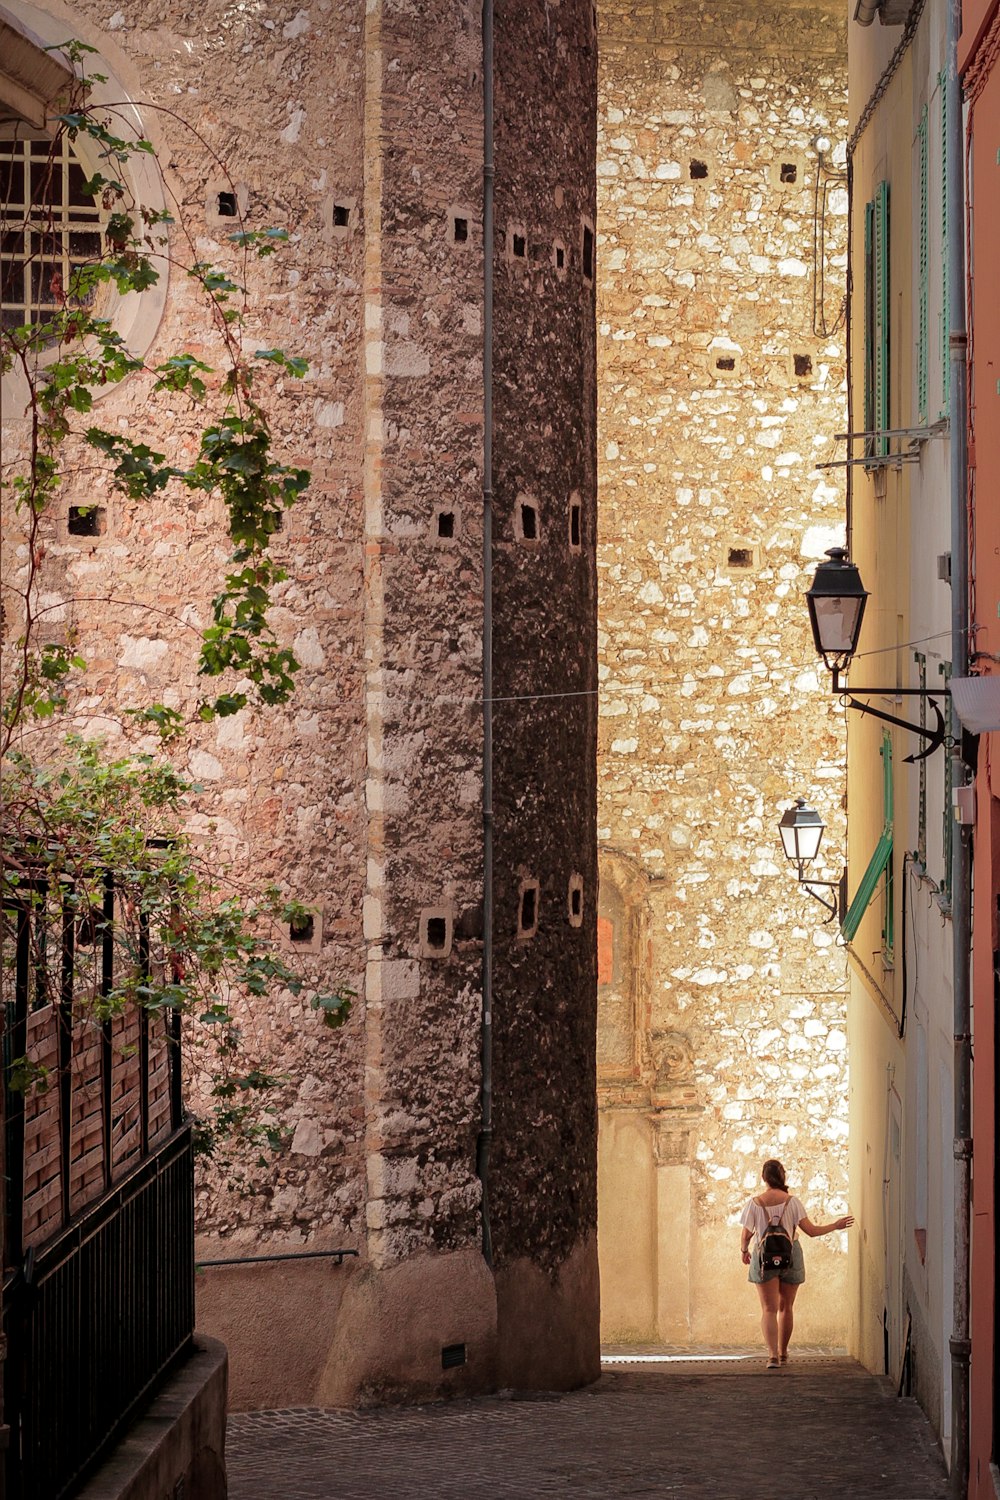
[775,1246]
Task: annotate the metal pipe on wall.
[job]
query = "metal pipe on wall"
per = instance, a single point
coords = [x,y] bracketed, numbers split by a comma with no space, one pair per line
[486,1035]
[960,1345]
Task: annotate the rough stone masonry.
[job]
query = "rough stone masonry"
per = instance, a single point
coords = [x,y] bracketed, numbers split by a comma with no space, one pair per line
[722,240]
[359,128]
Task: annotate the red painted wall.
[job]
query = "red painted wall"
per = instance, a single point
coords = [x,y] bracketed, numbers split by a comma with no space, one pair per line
[976,16]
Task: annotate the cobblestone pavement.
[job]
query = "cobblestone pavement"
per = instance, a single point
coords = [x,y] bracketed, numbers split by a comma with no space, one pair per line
[820,1429]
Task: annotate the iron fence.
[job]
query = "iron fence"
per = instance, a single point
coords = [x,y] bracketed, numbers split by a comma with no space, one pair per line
[98,1295]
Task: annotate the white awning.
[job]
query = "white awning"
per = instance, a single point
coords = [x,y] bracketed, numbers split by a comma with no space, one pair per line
[977,702]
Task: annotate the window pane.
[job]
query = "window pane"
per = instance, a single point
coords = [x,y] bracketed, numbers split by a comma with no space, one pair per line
[64,226]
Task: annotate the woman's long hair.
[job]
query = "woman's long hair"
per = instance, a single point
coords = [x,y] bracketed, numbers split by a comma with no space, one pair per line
[773,1174]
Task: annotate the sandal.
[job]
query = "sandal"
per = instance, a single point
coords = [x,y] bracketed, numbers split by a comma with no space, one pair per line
[773,1363]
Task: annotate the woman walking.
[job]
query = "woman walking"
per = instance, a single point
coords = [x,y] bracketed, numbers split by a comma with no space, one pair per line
[776,1287]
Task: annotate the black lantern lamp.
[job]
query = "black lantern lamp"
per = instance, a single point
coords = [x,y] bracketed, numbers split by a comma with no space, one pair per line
[802,829]
[836,609]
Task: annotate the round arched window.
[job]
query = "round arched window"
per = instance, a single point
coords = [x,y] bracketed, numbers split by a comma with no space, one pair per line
[49,226]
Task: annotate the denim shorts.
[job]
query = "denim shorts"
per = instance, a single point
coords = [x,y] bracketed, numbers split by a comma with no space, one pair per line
[794,1276]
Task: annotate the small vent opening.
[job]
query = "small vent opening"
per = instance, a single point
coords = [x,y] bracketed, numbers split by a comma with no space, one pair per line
[341,215]
[86,520]
[803,364]
[226,206]
[528,915]
[575,533]
[437,932]
[698,170]
[789,172]
[529,523]
[726,362]
[740,557]
[560,258]
[461,231]
[588,252]
[519,246]
[446,523]
[452,1355]
[302,929]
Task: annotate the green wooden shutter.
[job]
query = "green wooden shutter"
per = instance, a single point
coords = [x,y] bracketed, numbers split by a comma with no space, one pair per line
[888,888]
[866,889]
[880,255]
[945,308]
[922,316]
[879,867]
[869,326]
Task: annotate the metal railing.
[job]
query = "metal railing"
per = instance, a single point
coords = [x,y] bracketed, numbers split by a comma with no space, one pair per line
[98,1296]
[95,1320]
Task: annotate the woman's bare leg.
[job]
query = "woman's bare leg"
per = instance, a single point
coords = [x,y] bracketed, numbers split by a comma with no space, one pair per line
[786,1317]
[769,1293]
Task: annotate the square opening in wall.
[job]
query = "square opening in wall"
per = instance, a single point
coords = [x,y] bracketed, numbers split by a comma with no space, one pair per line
[698,170]
[302,928]
[588,252]
[460,230]
[527,915]
[452,1356]
[226,200]
[437,933]
[725,363]
[437,927]
[446,524]
[802,364]
[86,520]
[340,216]
[740,556]
[788,171]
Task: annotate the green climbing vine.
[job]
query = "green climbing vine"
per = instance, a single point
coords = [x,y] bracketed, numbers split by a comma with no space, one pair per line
[186,937]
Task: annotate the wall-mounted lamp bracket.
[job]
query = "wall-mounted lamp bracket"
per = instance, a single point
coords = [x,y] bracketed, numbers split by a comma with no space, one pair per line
[834,907]
[934,734]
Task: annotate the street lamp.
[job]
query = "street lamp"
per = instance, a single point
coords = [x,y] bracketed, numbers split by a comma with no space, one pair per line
[836,603]
[801,829]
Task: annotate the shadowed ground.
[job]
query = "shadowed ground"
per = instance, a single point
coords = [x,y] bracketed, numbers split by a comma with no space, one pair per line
[820,1429]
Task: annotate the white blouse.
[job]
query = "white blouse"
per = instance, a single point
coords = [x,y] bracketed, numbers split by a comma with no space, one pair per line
[757,1216]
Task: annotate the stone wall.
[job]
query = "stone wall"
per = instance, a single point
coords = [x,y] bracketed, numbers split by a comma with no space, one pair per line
[360,129]
[721,378]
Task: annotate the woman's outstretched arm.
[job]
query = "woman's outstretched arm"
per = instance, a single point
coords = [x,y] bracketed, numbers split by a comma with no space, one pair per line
[808,1227]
